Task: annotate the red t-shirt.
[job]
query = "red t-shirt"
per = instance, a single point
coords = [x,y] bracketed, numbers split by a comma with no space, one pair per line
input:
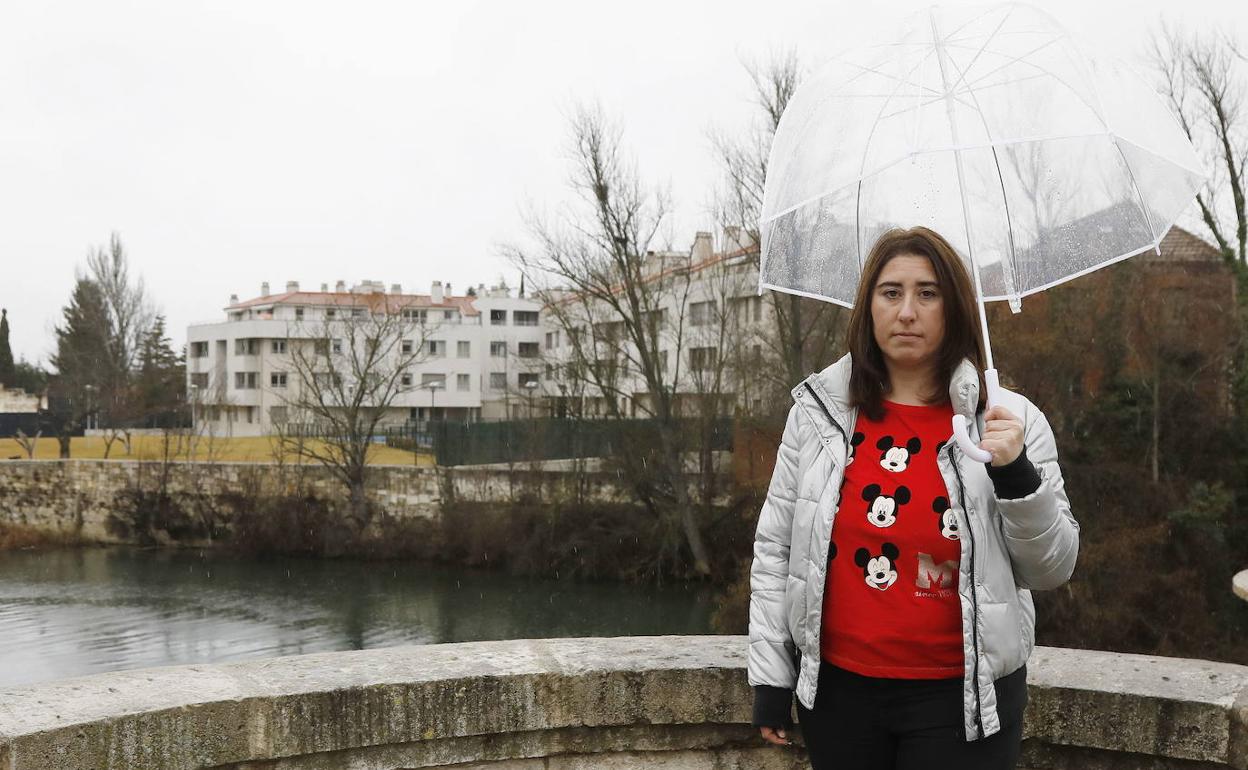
[890,606]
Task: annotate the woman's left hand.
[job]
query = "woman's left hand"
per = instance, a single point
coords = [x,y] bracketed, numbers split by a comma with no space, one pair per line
[1003,436]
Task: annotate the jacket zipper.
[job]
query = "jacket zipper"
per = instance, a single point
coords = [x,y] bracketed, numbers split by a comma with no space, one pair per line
[826,411]
[979,709]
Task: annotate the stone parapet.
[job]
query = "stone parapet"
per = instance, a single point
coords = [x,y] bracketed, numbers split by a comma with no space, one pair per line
[666,701]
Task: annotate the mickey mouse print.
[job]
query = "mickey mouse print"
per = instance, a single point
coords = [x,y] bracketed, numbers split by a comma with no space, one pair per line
[891,606]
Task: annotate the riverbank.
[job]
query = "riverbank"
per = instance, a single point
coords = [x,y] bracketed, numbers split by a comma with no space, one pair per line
[17,537]
[520,520]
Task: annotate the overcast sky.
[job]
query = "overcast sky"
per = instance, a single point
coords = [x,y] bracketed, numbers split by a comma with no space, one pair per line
[231,143]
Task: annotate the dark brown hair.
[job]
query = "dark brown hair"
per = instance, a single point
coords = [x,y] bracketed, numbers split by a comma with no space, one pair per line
[868,379]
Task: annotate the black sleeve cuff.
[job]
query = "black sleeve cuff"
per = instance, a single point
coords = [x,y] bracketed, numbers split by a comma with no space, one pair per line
[1018,479]
[773,706]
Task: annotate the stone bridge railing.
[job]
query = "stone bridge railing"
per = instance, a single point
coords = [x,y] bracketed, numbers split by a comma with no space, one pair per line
[669,701]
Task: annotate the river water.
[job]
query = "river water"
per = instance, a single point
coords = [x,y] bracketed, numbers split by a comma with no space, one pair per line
[66,613]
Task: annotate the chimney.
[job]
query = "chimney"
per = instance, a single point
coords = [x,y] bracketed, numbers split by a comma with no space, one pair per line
[448,290]
[292,287]
[396,288]
[340,286]
[264,289]
[324,288]
[233,299]
[703,247]
[435,293]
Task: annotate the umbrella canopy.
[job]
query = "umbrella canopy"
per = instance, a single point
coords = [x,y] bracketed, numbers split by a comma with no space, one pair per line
[1038,159]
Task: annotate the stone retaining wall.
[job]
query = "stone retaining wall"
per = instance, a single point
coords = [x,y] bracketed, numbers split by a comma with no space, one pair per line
[78,497]
[671,702]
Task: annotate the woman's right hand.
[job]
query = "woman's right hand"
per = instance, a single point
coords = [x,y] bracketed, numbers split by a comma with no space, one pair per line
[775,735]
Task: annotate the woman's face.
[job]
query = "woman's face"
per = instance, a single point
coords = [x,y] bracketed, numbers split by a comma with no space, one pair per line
[908,313]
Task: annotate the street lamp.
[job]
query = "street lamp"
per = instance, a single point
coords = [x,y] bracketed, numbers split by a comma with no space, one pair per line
[433,386]
[91,406]
[530,386]
[194,427]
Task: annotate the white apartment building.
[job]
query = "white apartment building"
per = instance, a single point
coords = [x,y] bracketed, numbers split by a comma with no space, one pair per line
[480,360]
[710,310]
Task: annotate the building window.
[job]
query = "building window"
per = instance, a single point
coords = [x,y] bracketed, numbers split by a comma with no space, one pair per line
[251,414]
[498,349]
[702,313]
[450,316]
[417,316]
[244,380]
[277,415]
[550,371]
[199,380]
[330,313]
[528,350]
[246,346]
[701,359]
[498,380]
[463,348]
[298,317]
[357,312]
[463,382]
[278,346]
[498,318]
[199,350]
[550,339]
[336,346]
[746,309]
[406,380]
[437,380]
[663,362]
[525,317]
[435,348]
[277,379]
[407,347]
[528,379]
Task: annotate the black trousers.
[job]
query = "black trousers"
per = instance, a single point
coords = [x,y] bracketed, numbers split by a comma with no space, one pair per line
[865,723]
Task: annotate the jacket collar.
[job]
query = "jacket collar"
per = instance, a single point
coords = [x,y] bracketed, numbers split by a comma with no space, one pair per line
[832,387]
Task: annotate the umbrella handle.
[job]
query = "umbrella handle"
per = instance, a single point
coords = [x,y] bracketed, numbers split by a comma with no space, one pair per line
[960,431]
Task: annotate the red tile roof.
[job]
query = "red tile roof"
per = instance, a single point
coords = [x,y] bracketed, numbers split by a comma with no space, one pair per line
[1179,245]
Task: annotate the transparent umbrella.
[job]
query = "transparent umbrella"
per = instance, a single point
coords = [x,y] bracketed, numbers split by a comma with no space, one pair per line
[1039,159]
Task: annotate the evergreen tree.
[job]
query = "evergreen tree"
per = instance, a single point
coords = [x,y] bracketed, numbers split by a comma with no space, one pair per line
[6,352]
[82,361]
[161,378]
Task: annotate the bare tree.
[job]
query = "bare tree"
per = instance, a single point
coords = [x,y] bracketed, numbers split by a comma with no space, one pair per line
[347,374]
[1202,78]
[28,443]
[131,316]
[805,334]
[620,306]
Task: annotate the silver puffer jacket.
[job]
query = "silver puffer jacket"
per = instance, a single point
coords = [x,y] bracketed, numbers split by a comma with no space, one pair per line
[1014,546]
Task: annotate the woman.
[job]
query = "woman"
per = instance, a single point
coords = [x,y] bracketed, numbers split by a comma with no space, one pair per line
[892,574]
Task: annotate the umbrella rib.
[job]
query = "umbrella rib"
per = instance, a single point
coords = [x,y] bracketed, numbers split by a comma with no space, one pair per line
[867,146]
[982,48]
[1015,60]
[1153,246]
[901,81]
[810,294]
[966,24]
[949,148]
[1009,223]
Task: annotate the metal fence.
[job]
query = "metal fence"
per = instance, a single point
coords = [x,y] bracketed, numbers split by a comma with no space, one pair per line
[479,443]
